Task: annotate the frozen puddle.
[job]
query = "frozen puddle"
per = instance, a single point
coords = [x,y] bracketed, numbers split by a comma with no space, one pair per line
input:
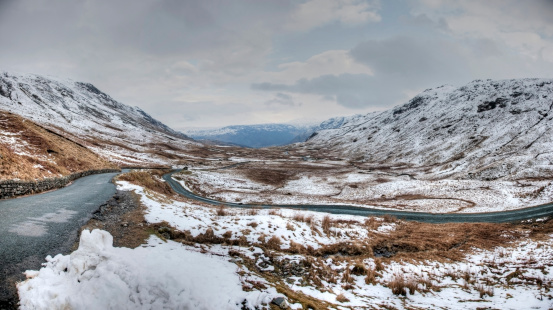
[36,226]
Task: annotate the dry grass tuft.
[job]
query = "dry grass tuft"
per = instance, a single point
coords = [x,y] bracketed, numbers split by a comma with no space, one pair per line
[290,227]
[378,266]
[274,212]
[222,211]
[274,243]
[359,269]
[342,298]
[484,290]
[299,217]
[370,278]
[252,211]
[372,223]
[326,224]
[400,285]
[346,277]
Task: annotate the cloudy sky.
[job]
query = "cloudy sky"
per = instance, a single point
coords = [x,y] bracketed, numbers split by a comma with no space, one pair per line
[212,63]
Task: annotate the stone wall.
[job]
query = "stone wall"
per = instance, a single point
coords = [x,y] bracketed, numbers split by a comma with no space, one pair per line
[10,188]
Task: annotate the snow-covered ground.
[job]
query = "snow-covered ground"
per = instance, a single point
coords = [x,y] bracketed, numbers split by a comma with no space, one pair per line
[338,185]
[158,275]
[167,274]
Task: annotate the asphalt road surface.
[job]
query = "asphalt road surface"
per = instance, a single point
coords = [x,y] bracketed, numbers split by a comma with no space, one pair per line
[35,226]
[489,217]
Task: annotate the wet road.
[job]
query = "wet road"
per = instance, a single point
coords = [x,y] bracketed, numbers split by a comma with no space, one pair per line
[489,217]
[35,226]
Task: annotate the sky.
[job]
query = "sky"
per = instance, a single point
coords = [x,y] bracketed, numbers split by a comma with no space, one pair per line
[213,63]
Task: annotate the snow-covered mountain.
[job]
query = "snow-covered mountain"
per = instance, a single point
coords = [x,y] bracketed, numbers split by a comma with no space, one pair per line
[255,136]
[123,134]
[484,130]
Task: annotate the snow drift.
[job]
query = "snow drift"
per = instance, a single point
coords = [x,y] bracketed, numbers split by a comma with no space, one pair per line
[159,275]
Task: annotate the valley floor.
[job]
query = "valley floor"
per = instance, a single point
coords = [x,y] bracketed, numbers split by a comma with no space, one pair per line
[299,181]
[187,254]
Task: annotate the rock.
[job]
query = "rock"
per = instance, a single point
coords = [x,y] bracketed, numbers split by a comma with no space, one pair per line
[280,302]
[165,232]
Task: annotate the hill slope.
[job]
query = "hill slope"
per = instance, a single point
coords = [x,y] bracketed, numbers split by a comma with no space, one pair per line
[124,134]
[28,151]
[483,130]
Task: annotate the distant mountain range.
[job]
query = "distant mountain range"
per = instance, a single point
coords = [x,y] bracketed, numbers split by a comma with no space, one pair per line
[484,130]
[255,136]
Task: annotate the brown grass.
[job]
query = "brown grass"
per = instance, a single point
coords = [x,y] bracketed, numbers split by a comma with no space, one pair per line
[342,298]
[56,154]
[253,211]
[275,212]
[416,240]
[370,278]
[372,223]
[484,290]
[147,180]
[299,217]
[221,211]
[400,285]
[274,243]
[359,269]
[268,176]
[326,224]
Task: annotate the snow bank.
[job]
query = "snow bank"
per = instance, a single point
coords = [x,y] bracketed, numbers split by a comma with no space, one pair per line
[158,275]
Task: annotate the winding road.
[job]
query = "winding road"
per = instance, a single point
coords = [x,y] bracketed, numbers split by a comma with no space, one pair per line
[35,226]
[489,217]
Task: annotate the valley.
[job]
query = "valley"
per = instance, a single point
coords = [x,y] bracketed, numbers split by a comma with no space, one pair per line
[309,225]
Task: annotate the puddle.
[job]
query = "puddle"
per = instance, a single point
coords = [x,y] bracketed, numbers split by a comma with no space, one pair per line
[36,226]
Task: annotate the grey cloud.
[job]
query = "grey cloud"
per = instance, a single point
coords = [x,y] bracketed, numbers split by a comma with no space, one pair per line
[283,100]
[400,64]
[409,59]
[422,20]
[348,90]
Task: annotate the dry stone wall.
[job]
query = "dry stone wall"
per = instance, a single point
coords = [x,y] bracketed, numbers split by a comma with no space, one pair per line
[10,188]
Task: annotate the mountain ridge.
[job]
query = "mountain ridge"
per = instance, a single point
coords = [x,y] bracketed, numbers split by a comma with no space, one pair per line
[484,130]
[124,134]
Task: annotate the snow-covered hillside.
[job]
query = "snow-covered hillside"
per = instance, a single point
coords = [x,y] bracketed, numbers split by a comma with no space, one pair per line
[123,134]
[484,130]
